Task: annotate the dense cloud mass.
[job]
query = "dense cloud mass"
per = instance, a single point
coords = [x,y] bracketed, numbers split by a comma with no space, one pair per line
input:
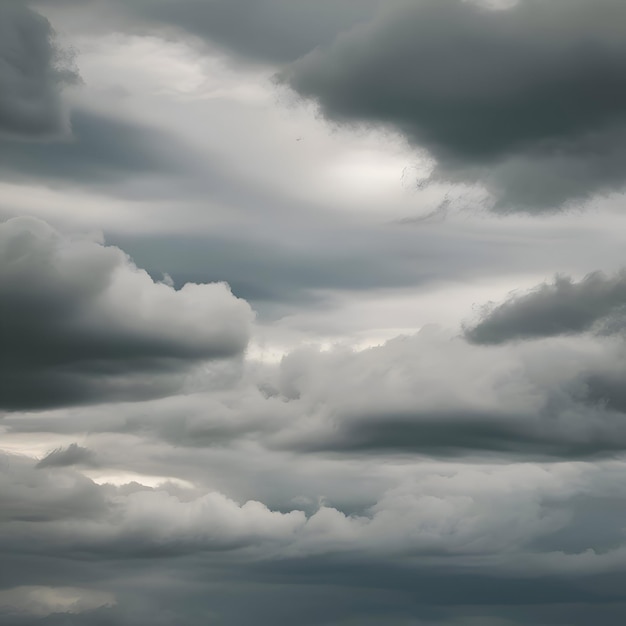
[433,393]
[32,69]
[301,410]
[522,526]
[595,303]
[528,101]
[81,323]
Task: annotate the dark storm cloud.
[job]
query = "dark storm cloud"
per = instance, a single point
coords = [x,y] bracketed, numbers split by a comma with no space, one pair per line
[528,101]
[597,302]
[81,323]
[32,70]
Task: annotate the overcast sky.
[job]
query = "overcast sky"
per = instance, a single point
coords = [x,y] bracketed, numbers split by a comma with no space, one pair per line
[312,312]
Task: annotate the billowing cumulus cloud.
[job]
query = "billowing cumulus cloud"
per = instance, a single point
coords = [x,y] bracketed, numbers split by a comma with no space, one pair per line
[423,514]
[428,394]
[32,70]
[435,394]
[528,101]
[524,525]
[81,323]
[596,303]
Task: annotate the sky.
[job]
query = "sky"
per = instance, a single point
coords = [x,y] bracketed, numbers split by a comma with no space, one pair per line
[312,312]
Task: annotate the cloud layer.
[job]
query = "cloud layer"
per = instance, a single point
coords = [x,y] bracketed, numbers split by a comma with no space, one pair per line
[308,448]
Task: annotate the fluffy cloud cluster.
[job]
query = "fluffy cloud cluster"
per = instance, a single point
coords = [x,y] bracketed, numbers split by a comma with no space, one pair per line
[435,393]
[450,513]
[82,324]
[520,526]
[431,393]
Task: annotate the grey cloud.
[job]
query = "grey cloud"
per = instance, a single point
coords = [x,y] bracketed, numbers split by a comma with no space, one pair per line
[429,395]
[81,323]
[399,485]
[36,497]
[421,395]
[273,31]
[458,435]
[272,272]
[527,101]
[306,263]
[439,547]
[66,457]
[64,512]
[355,598]
[597,302]
[36,601]
[100,151]
[32,71]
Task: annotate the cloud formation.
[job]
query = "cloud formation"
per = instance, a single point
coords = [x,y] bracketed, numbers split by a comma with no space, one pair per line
[428,394]
[596,303]
[523,526]
[65,457]
[165,459]
[435,394]
[140,521]
[32,71]
[527,101]
[81,323]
